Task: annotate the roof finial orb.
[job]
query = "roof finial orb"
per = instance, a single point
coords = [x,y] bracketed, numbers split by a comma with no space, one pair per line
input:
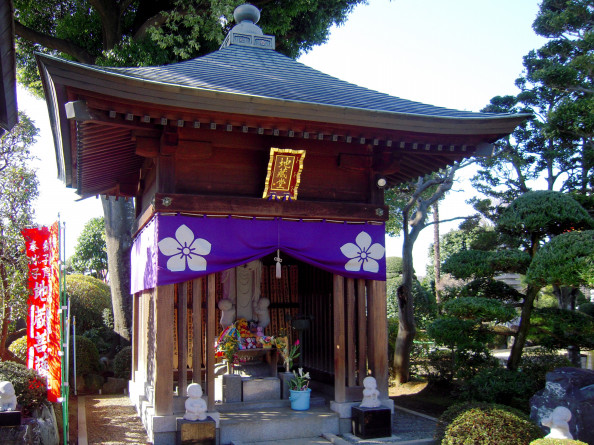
[246,12]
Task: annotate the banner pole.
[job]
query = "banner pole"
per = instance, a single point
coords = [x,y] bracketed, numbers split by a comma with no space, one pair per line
[74,352]
[65,330]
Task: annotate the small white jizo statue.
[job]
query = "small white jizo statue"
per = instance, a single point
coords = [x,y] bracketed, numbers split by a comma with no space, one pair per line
[8,400]
[227,312]
[195,404]
[558,422]
[261,312]
[370,393]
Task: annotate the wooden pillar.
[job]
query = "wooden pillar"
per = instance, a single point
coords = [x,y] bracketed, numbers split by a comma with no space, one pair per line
[182,339]
[378,334]
[351,332]
[163,369]
[362,330]
[135,333]
[197,331]
[210,339]
[339,340]
[143,338]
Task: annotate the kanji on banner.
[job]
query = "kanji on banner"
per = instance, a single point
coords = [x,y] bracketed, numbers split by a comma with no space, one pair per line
[43,320]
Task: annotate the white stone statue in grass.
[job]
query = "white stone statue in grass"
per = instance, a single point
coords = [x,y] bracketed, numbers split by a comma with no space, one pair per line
[8,400]
[558,422]
[195,404]
[370,393]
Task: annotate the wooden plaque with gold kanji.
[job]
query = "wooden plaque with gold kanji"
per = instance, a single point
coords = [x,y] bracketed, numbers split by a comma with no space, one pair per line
[284,172]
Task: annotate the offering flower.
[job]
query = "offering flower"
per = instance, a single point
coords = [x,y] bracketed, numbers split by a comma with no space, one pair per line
[300,382]
[289,354]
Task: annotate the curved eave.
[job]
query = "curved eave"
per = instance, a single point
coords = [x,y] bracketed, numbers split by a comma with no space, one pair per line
[98,80]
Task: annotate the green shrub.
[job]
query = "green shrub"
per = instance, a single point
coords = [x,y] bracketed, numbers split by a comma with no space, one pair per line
[489,424]
[87,356]
[122,363]
[587,308]
[502,386]
[19,348]
[557,442]
[537,362]
[89,297]
[29,387]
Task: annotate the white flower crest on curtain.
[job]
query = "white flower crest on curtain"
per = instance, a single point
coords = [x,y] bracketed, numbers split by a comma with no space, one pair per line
[185,249]
[363,254]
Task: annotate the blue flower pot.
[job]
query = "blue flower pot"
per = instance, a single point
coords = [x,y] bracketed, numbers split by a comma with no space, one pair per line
[299,399]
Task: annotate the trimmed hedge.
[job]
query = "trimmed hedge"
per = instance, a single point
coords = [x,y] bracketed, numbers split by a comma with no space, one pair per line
[122,363]
[87,357]
[488,426]
[557,442]
[29,387]
[89,297]
[19,348]
[485,423]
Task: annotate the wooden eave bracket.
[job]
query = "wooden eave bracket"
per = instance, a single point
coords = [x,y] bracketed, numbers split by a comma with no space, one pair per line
[78,111]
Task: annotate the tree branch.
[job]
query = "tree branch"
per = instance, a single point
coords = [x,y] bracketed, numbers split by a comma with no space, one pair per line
[64,46]
[448,220]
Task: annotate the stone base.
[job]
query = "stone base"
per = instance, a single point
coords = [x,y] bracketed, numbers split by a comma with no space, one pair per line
[196,432]
[10,418]
[285,378]
[16,435]
[232,388]
[267,388]
[370,423]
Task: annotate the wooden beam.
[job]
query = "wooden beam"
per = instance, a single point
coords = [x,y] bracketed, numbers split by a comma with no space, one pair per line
[182,338]
[378,323]
[362,330]
[210,338]
[339,340]
[351,332]
[197,331]
[163,366]
[166,174]
[242,206]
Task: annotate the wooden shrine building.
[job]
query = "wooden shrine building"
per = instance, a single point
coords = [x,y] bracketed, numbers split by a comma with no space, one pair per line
[237,160]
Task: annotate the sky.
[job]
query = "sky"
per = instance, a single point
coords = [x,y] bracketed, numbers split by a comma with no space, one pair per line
[456,54]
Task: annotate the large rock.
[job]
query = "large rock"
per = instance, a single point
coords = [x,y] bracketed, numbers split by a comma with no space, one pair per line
[44,426]
[572,388]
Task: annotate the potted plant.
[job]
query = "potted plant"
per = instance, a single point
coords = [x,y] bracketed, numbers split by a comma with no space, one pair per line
[299,390]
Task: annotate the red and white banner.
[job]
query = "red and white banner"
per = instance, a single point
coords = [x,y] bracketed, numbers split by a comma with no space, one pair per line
[43,319]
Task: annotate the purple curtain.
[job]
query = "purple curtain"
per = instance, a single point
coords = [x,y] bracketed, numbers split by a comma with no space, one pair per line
[174,248]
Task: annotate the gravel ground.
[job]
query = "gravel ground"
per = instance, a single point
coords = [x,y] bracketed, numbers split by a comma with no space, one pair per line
[112,420]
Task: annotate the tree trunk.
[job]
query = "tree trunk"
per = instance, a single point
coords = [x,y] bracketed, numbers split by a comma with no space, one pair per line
[119,220]
[436,252]
[567,298]
[406,320]
[517,348]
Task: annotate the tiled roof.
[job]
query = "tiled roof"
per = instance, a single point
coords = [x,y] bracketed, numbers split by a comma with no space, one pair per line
[264,73]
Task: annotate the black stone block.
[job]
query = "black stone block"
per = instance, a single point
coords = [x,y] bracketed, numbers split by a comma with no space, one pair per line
[10,418]
[370,423]
[196,432]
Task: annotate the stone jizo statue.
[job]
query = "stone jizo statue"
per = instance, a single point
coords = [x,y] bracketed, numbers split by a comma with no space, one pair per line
[227,312]
[8,400]
[261,312]
[558,422]
[370,393]
[195,404]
